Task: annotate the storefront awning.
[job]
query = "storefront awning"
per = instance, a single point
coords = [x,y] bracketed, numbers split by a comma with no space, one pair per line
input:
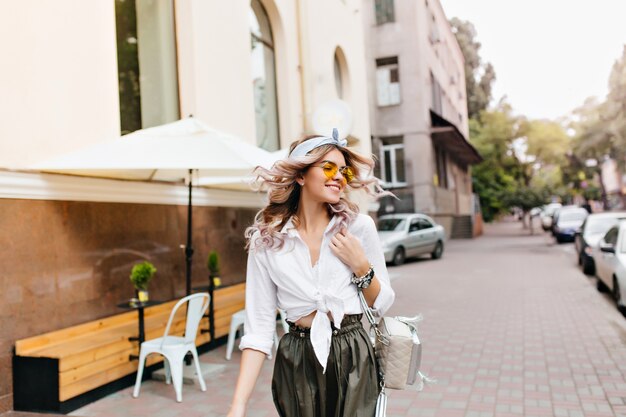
[447,136]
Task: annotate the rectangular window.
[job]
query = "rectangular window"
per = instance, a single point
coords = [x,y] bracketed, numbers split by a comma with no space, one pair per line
[391,159]
[442,168]
[384,11]
[435,99]
[146,62]
[387,81]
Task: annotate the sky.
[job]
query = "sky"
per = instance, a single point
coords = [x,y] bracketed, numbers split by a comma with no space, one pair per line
[549,55]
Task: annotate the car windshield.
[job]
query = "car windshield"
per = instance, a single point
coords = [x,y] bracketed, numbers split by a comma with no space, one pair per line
[602,225]
[572,216]
[388,225]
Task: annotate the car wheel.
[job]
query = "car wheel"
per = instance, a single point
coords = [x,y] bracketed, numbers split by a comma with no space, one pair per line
[436,254]
[398,256]
[589,267]
[617,295]
[601,286]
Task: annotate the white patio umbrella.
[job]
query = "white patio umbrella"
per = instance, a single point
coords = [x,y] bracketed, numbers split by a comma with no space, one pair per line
[171,152]
[241,182]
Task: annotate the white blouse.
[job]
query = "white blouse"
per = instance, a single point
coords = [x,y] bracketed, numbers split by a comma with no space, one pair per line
[285,279]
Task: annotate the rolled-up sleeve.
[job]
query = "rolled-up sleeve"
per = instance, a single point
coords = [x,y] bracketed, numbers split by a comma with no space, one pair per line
[374,252]
[260,323]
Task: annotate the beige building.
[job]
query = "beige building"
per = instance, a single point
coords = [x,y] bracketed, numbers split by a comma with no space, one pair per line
[82,72]
[418,111]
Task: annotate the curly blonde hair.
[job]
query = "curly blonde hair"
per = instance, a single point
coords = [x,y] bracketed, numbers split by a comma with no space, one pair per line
[284,193]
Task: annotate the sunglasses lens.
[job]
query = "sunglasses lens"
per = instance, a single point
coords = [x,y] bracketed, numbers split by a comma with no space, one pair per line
[330,169]
[348,174]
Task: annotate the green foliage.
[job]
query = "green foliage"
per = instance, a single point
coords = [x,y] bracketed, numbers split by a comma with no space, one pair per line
[142,274]
[493,135]
[479,77]
[213,263]
[547,142]
[525,198]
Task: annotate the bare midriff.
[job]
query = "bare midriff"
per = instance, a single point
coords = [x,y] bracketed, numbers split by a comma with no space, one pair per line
[307,321]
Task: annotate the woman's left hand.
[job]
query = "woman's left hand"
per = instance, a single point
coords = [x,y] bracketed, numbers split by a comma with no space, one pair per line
[348,249]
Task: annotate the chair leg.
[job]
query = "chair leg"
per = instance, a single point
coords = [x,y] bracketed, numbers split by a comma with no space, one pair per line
[176,367]
[231,340]
[142,360]
[194,353]
[168,372]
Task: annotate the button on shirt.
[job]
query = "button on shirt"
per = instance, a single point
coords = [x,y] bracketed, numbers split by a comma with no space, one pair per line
[284,278]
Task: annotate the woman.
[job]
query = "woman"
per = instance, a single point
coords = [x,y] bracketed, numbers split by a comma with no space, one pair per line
[309,250]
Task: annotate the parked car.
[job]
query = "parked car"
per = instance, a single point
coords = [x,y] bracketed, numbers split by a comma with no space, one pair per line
[567,222]
[610,259]
[593,229]
[407,235]
[546,215]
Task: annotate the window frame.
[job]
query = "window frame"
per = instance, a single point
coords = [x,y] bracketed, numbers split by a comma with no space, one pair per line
[384,12]
[394,183]
[391,66]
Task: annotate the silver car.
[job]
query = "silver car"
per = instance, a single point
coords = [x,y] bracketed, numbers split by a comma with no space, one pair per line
[610,259]
[408,235]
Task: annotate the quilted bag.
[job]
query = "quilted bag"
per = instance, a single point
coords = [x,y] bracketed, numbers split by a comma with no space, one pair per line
[398,351]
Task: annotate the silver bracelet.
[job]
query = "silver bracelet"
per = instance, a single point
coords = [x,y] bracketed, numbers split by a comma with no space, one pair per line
[365,280]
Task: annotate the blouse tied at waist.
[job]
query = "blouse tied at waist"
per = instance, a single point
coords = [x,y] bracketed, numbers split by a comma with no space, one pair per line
[321,328]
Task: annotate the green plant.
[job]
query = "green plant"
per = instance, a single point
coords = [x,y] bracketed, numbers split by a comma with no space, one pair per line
[213,263]
[141,275]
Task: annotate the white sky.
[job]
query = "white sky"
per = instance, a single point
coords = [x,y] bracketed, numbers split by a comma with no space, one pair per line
[549,55]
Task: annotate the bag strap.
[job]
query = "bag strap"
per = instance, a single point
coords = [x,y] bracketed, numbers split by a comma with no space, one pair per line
[381,405]
[369,314]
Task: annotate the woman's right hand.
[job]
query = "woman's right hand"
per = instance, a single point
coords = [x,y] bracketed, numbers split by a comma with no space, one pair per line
[251,363]
[237,410]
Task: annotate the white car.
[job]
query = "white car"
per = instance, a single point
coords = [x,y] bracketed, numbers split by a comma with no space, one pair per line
[408,235]
[546,215]
[609,257]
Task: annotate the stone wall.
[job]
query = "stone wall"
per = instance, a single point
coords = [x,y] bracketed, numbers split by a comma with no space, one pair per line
[63,263]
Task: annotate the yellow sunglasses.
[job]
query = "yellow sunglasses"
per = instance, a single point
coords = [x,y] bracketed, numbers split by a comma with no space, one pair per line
[330,170]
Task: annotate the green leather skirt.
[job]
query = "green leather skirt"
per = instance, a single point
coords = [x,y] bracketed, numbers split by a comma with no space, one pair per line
[348,388]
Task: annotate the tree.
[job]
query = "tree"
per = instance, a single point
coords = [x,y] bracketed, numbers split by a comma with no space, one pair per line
[493,135]
[479,76]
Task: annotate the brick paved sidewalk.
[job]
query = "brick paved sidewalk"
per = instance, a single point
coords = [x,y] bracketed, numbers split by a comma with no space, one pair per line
[512,328]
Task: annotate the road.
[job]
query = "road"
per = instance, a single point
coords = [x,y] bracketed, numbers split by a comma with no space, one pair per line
[511,327]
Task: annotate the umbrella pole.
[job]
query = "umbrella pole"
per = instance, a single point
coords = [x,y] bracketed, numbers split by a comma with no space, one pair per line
[188,247]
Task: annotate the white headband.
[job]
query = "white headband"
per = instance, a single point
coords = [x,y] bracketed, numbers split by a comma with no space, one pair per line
[308,145]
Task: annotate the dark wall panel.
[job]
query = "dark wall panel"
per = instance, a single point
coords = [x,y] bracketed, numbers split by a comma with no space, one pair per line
[63,263]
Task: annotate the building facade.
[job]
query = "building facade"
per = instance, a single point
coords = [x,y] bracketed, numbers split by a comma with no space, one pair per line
[83,72]
[418,110]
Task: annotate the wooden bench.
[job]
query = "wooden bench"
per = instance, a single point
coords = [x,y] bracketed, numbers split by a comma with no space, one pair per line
[65,369]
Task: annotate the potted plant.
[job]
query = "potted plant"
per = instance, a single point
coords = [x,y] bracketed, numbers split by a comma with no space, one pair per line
[213,264]
[140,276]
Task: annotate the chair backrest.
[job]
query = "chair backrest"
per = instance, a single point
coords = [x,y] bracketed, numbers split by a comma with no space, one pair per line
[197,306]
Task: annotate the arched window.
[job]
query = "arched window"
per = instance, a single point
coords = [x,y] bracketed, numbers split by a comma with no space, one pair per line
[264,78]
[338,78]
[342,78]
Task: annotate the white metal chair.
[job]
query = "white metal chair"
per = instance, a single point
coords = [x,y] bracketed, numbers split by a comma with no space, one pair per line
[237,320]
[174,348]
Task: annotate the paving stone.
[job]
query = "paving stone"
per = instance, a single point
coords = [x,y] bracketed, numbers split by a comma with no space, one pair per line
[511,327]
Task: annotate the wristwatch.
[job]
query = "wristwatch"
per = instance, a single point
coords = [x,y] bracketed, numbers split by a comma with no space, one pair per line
[364,281]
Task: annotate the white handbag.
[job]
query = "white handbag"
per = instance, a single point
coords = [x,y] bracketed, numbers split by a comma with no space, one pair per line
[398,352]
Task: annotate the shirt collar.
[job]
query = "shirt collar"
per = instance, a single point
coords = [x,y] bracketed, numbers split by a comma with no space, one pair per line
[290,229]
